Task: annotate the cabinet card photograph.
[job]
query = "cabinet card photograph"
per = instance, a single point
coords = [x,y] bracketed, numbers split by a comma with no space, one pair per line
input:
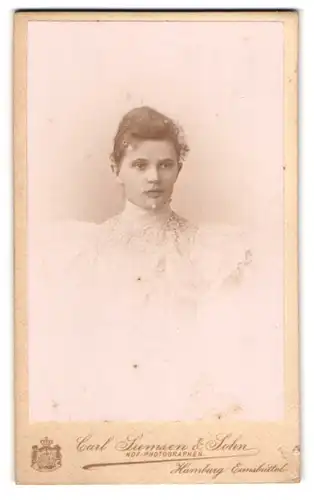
[156,322]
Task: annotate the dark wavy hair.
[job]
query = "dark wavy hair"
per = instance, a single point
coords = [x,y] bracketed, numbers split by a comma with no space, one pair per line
[145,123]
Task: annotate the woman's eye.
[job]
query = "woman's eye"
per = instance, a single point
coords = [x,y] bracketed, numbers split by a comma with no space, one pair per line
[166,164]
[139,165]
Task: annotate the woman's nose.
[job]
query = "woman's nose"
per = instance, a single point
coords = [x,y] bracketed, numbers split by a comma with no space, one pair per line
[152,174]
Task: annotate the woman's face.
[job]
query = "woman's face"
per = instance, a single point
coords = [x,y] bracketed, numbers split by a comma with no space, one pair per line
[148,172]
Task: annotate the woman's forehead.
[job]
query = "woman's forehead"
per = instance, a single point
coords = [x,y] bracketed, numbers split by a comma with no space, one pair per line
[150,148]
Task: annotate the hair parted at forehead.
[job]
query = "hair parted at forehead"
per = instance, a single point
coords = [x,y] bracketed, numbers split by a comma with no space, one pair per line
[145,123]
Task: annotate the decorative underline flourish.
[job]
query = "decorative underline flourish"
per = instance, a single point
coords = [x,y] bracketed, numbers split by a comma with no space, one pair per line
[107,464]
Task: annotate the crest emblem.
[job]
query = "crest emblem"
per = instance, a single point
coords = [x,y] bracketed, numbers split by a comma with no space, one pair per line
[46,457]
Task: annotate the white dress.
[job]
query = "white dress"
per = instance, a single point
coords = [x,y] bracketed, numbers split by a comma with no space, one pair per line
[142,318]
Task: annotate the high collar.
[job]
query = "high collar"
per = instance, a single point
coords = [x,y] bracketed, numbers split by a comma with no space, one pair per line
[135,216]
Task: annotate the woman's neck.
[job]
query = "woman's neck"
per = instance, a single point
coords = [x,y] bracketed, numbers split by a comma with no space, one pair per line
[136,215]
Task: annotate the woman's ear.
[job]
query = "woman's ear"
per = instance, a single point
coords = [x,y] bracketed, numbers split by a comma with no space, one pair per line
[115,169]
[179,168]
[116,172]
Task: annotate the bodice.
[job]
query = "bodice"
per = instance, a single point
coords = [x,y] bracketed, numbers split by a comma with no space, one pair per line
[138,317]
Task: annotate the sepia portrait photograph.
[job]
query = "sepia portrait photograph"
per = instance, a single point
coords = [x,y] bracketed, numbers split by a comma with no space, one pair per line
[155,220]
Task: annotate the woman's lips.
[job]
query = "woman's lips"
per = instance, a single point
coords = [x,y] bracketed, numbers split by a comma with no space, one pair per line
[154,193]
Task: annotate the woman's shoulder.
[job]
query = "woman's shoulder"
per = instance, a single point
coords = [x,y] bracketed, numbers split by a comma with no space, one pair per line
[63,246]
[227,250]
[69,236]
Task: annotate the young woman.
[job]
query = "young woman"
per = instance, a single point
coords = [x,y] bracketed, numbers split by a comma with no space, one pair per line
[149,305]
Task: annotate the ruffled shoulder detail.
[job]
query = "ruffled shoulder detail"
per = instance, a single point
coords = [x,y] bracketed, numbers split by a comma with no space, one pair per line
[223,254]
[63,249]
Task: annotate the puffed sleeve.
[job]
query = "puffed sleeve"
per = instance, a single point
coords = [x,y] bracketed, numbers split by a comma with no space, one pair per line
[60,251]
[240,327]
[222,255]
[59,261]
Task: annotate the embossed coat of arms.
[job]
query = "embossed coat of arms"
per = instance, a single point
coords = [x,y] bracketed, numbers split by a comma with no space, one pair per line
[46,457]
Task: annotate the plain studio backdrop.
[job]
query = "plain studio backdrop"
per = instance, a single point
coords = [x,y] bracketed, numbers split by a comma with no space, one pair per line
[222,81]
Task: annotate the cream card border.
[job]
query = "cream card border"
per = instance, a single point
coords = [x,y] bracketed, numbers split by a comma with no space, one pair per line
[268,452]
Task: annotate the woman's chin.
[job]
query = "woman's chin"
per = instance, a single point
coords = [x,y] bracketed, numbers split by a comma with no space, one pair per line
[155,204]
[151,203]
